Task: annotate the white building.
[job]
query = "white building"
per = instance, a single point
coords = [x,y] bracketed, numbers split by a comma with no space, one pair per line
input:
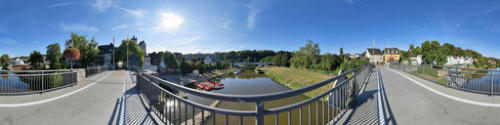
[106,54]
[458,60]
[375,55]
[416,60]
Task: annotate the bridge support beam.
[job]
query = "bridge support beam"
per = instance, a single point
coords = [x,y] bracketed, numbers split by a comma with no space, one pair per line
[259,119]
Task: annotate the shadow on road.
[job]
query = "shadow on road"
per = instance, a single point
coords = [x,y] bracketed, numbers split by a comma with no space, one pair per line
[389,117]
[110,121]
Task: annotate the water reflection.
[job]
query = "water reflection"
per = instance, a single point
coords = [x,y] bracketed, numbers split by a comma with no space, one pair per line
[250,83]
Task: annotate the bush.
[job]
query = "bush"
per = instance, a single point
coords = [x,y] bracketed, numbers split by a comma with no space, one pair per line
[427,70]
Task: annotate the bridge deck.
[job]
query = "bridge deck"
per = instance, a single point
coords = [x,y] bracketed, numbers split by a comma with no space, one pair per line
[409,103]
[364,110]
[97,102]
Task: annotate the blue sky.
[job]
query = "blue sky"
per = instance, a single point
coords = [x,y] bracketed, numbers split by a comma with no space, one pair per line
[223,25]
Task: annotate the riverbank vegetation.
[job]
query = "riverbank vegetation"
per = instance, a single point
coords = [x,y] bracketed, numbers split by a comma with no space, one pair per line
[297,78]
[433,52]
[308,66]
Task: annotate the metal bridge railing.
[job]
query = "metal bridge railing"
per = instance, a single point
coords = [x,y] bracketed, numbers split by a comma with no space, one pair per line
[329,106]
[484,81]
[35,81]
[380,107]
[92,70]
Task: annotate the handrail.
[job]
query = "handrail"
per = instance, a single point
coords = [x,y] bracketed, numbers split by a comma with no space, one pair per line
[254,98]
[380,108]
[336,99]
[218,110]
[20,83]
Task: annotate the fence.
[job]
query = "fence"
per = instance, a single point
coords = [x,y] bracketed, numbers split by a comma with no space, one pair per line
[329,106]
[92,70]
[35,81]
[484,81]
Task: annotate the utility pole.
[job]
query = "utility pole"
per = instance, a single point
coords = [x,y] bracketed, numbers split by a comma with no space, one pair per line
[127,54]
[113,66]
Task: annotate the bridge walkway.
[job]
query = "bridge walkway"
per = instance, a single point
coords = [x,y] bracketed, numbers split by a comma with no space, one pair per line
[408,102]
[137,109]
[94,101]
[364,109]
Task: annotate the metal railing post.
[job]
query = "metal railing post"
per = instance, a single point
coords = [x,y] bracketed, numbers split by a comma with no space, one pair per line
[491,83]
[259,119]
[43,82]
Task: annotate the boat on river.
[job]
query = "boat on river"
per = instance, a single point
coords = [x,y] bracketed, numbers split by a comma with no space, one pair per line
[208,85]
[204,86]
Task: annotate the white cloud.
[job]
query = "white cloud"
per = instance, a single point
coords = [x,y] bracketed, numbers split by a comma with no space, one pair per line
[102,5]
[168,22]
[123,26]
[66,4]
[135,13]
[78,27]
[227,24]
[254,8]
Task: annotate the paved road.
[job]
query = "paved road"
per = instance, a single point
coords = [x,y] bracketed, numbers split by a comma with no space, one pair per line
[97,105]
[408,103]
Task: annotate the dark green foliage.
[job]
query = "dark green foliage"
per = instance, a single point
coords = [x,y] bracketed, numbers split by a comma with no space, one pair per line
[434,52]
[427,70]
[169,60]
[4,61]
[282,58]
[88,49]
[306,56]
[36,60]
[54,55]
[133,50]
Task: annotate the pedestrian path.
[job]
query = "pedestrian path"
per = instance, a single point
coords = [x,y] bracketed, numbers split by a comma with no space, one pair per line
[364,109]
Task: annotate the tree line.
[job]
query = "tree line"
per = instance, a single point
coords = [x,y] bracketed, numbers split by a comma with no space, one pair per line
[88,54]
[433,52]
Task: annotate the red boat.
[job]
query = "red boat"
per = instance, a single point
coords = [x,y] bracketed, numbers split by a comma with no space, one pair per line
[218,84]
[204,86]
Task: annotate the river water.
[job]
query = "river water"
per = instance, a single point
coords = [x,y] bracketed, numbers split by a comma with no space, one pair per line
[482,82]
[250,83]
[10,83]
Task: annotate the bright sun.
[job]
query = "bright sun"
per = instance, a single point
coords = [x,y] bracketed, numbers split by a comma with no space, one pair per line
[170,22]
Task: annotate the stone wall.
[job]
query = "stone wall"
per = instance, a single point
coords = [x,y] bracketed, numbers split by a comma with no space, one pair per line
[80,73]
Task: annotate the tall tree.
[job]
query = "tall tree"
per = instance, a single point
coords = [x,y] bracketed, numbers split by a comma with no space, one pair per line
[306,56]
[341,54]
[54,56]
[88,49]
[410,50]
[36,60]
[169,60]
[133,50]
[4,61]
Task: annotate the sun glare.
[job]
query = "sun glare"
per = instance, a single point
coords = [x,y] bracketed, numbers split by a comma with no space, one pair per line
[170,21]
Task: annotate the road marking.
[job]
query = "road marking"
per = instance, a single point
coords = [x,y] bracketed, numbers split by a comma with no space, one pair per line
[50,99]
[449,96]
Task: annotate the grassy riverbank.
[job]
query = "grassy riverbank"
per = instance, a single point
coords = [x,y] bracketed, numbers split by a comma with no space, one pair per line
[297,78]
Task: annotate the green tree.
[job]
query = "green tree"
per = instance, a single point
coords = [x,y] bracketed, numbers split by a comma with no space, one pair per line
[169,60]
[54,56]
[306,56]
[341,54]
[88,49]
[133,50]
[4,61]
[36,60]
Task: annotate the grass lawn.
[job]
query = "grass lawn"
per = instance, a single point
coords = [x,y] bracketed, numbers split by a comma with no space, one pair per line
[298,78]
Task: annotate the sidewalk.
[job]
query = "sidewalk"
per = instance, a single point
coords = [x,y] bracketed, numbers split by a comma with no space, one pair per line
[364,109]
[450,91]
[15,99]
